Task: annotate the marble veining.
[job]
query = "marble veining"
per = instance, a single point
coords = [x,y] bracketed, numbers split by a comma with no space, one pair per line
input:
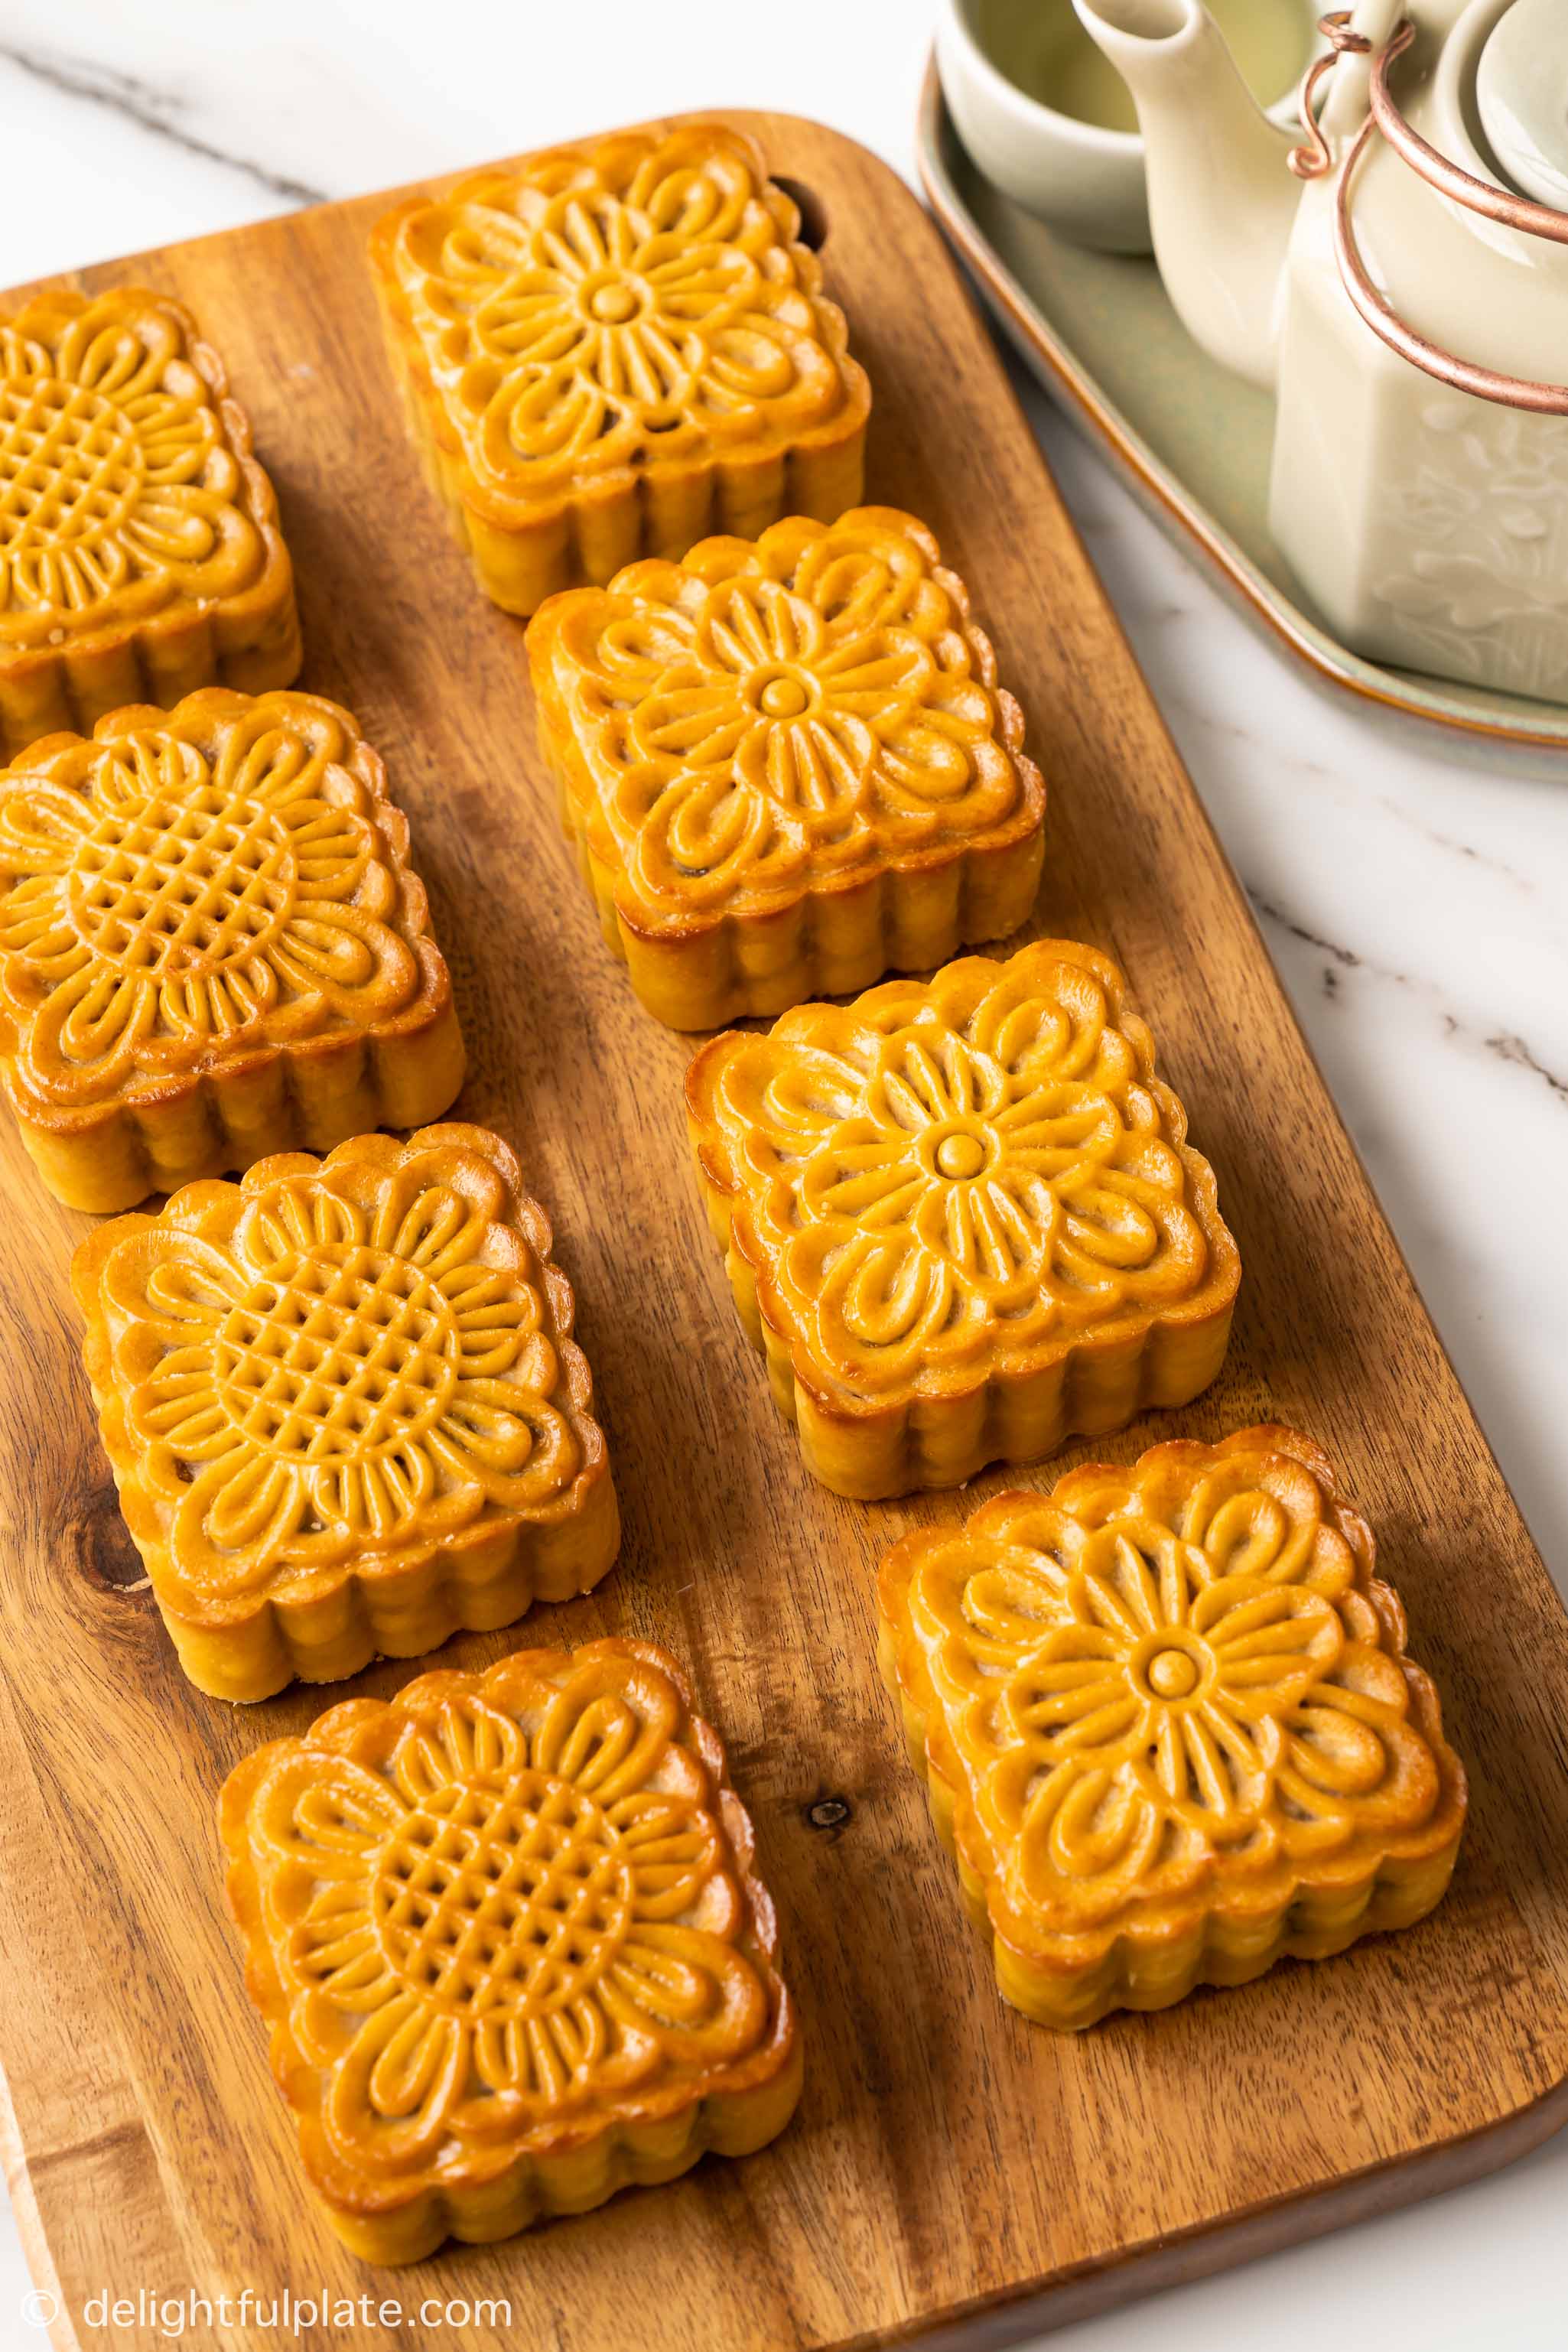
[1508,1048]
[148,107]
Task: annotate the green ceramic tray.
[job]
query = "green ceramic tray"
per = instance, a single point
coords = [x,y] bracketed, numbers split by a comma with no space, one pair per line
[1191,441]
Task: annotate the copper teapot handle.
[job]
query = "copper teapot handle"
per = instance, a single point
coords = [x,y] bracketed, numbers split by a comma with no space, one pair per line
[1313,158]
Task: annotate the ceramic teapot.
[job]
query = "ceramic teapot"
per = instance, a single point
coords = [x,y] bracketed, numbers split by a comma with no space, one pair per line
[1398,274]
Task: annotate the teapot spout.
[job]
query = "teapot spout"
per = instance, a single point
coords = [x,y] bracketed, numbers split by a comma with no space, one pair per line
[1221,199]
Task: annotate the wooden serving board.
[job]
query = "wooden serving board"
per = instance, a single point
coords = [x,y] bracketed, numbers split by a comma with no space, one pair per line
[954,2173]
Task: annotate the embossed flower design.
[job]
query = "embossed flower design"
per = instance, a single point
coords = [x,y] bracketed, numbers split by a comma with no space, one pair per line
[977,1165]
[762,714]
[617,321]
[1156,1670]
[792,706]
[116,480]
[645,300]
[335,1358]
[217,880]
[949,1155]
[1160,1703]
[499,1904]
[1474,531]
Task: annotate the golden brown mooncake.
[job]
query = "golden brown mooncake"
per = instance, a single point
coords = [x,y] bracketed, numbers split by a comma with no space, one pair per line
[508,1941]
[344,1408]
[608,349]
[139,538]
[212,946]
[787,765]
[1168,1726]
[962,1218]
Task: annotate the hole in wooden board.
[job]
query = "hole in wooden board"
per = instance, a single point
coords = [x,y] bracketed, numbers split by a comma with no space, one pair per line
[812,230]
[830,1814]
[103,1546]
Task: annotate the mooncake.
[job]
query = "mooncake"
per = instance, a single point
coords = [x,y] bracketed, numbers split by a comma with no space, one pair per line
[1167,1724]
[507,1936]
[138,535]
[787,765]
[608,349]
[212,946]
[962,1218]
[344,1408]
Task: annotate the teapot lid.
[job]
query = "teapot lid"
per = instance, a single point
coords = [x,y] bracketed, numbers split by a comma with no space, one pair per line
[1522,91]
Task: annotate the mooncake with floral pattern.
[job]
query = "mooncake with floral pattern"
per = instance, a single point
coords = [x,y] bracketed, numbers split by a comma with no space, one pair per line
[344,1408]
[508,1937]
[609,350]
[962,1218]
[788,765]
[213,945]
[140,552]
[1168,1726]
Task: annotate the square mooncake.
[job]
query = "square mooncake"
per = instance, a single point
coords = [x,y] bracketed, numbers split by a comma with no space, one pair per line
[608,350]
[344,1408]
[787,765]
[1168,1726]
[962,1218]
[138,535]
[212,946]
[507,1936]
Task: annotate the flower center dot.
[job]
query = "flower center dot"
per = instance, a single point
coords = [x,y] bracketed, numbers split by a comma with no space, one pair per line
[614,304]
[1172,1675]
[784,698]
[961,1155]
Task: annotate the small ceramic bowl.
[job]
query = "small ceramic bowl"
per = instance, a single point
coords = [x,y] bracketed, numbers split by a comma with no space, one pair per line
[1084,182]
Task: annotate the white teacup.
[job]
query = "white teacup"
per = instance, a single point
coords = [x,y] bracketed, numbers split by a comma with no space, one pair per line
[1081,178]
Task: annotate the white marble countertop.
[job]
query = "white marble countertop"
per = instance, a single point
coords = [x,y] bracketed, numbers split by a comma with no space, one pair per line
[1418,911]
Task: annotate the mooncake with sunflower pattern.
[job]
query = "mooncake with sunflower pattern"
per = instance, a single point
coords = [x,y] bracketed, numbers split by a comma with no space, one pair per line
[609,350]
[139,538]
[1168,1726]
[213,945]
[344,1408]
[509,1940]
[787,765]
[961,1219]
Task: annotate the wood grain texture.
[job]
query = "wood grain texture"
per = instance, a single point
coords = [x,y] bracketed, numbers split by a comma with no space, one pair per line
[952,2168]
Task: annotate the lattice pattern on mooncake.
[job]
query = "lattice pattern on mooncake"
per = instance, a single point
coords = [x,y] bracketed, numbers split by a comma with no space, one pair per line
[212,946]
[506,1935]
[963,1218]
[1168,1725]
[788,765]
[611,350]
[140,554]
[344,1408]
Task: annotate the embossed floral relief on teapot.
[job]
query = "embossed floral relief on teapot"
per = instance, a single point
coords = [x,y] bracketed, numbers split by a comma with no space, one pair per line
[1398,274]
